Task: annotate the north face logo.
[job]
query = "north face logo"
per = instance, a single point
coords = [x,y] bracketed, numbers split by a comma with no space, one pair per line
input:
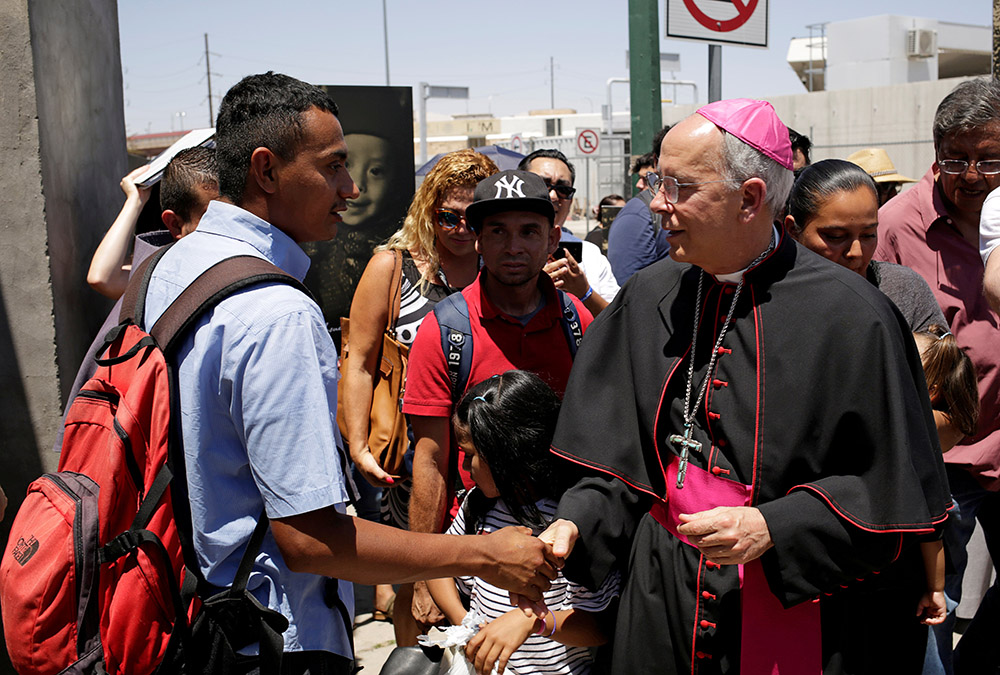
[513,187]
[24,550]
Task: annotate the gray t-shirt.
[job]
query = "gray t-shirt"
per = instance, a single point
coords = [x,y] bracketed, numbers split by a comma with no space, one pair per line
[909,292]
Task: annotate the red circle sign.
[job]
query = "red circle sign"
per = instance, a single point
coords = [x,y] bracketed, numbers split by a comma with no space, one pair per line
[587,141]
[744,12]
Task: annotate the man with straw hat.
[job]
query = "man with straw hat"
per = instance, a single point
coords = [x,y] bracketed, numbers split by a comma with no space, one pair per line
[876,162]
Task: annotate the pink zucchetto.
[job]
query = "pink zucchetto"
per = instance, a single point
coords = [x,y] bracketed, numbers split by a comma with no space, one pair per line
[755,123]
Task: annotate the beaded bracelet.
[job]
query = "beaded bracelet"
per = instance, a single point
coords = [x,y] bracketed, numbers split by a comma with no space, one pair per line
[590,292]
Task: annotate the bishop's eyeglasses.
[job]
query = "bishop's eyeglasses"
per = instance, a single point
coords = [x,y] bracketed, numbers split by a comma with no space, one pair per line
[671,188]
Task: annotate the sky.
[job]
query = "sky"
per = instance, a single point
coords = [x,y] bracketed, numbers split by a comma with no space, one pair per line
[501,51]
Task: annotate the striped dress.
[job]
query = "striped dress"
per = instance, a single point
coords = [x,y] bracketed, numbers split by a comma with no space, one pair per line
[538,654]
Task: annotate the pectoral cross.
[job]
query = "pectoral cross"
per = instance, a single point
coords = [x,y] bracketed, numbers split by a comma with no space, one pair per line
[686,444]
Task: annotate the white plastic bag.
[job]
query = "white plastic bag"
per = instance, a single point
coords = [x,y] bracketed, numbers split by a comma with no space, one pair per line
[453,640]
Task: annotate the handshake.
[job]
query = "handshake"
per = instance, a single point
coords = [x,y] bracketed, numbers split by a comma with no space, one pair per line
[727,535]
[526,565]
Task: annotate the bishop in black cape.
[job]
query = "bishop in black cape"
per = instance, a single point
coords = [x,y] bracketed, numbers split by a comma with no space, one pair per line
[817,403]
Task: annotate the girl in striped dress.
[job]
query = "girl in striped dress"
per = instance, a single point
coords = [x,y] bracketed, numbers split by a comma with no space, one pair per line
[505,426]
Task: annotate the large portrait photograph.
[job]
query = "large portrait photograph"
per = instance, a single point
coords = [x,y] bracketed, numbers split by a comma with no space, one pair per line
[378,128]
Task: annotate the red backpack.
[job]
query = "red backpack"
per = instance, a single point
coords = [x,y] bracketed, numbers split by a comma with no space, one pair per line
[91,578]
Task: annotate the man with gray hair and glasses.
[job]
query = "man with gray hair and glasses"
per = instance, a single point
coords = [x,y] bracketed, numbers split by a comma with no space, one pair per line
[933,228]
[764,442]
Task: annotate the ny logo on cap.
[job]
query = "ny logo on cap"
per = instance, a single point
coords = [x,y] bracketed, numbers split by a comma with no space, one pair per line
[513,186]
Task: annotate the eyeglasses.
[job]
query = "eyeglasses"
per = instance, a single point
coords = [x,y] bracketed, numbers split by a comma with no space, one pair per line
[564,191]
[956,167]
[671,188]
[448,219]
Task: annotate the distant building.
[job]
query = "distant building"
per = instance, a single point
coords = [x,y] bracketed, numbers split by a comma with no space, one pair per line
[886,50]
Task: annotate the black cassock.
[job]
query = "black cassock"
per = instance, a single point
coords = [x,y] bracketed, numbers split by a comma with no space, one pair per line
[817,407]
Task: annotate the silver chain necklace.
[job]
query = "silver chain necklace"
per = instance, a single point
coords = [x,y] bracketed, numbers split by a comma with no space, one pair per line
[685,442]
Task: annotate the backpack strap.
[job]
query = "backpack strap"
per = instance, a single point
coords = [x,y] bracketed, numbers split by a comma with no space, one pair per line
[452,315]
[572,326]
[213,285]
[134,299]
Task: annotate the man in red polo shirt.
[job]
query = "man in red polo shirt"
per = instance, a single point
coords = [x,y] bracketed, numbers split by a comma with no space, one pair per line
[515,319]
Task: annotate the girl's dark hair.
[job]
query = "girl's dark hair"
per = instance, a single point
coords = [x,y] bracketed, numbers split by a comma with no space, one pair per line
[820,181]
[510,419]
[949,369]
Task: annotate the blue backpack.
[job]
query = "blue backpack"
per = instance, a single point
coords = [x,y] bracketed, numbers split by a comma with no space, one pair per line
[452,315]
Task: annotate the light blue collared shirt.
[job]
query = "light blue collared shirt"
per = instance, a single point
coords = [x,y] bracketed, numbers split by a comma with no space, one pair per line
[258,396]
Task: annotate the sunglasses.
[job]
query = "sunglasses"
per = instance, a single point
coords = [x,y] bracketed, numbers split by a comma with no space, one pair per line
[448,219]
[564,191]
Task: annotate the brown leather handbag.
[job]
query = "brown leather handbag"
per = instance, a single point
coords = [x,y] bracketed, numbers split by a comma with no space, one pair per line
[387,438]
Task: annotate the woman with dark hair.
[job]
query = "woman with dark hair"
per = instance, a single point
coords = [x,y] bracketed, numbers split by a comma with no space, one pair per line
[833,211]
[505,426]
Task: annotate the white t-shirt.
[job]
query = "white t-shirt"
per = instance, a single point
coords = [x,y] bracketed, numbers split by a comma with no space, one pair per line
[989,224]
[598,271]
[538,654]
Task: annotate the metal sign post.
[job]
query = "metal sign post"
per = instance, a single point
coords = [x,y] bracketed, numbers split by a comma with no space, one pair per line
[714,73]
[427,91]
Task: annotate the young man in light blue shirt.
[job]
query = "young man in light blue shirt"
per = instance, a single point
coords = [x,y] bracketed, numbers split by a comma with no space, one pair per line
[257,380]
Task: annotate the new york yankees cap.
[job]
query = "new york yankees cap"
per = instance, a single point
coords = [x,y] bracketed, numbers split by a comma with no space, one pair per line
[510,190]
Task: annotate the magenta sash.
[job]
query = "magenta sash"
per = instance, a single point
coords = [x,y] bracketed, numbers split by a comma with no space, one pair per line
[775,640]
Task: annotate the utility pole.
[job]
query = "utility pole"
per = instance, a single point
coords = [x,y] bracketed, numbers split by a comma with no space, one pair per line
[996,39]
[715,73]
[552,82]
[385,34]
[208,77]
[644,73]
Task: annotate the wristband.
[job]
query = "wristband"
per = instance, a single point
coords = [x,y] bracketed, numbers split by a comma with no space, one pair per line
[590,292]
[553,624]
[541,631]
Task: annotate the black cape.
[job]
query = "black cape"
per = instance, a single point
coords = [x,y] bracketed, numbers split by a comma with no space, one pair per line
[818,402]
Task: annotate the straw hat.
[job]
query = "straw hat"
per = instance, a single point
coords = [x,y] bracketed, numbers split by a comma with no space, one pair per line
[878,165]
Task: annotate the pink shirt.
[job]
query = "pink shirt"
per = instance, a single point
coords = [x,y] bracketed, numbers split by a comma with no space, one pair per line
[915,230]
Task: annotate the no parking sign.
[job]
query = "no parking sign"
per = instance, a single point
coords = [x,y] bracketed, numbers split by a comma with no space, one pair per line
[587,141]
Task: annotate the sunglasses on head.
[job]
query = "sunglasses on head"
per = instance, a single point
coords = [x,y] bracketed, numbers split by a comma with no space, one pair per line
[448,219]
[564,191]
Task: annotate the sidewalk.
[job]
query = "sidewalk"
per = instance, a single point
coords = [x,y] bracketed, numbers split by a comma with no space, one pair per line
[373,640]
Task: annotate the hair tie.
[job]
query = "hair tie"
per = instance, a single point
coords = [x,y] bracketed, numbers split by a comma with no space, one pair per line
[479,398]
[941,337]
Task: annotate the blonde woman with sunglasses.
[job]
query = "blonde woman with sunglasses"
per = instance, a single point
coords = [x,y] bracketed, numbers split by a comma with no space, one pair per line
[438,257]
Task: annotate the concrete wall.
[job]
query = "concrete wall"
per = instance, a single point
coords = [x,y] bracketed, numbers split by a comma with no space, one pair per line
[62,153]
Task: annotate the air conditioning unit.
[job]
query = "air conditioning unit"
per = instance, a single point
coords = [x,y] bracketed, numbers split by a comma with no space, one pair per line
[921,43]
